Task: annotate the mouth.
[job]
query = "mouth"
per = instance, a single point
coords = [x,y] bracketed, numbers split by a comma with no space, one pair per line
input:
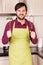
[21,14]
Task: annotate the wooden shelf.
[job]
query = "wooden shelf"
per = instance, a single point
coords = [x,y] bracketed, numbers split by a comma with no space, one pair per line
[7,14]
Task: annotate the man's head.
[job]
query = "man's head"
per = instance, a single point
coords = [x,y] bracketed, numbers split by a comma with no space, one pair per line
[21,10]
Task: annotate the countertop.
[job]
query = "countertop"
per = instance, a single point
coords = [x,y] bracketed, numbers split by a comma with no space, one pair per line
[34,51]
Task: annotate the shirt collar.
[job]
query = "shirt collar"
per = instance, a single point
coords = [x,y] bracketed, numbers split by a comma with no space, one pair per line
[19,22]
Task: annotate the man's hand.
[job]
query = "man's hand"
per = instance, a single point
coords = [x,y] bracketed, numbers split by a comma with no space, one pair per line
[32,34]
[9,33]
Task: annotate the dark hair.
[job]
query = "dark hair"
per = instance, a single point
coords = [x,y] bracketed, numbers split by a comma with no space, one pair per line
[19,5]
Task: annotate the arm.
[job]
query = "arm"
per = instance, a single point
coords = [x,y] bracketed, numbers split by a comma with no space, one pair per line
[33,35]
[5,38]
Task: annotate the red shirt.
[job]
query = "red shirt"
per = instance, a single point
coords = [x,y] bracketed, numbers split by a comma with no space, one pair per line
[9,26]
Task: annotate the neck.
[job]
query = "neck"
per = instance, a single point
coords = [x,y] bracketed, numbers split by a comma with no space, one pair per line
[21,21]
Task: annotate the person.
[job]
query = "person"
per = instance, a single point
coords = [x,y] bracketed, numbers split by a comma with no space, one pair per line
[19,32]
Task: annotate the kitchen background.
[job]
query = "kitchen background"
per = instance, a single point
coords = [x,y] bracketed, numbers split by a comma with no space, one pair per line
[34,14]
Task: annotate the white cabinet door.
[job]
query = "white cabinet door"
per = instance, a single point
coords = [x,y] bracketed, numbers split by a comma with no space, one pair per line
[1,6]
[9,5]
[4,61]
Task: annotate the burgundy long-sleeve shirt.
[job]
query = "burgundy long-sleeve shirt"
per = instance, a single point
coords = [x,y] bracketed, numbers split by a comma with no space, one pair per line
[9,26]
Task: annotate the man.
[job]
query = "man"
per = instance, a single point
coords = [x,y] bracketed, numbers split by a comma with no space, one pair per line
[19,32]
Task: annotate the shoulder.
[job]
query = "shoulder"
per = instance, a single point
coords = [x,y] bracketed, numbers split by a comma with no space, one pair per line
[30,24]
[9,23]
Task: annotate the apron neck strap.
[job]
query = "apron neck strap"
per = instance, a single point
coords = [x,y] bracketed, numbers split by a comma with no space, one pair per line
[14,24]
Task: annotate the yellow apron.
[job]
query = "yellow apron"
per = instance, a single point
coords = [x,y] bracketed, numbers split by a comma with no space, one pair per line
[19,49]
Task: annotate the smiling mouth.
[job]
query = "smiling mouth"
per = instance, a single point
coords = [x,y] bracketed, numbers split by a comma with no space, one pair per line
[21,14]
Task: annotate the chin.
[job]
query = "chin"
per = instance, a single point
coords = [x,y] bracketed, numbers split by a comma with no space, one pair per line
[21,18]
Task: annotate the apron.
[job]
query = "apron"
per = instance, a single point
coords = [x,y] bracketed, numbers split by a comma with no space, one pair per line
[19,49]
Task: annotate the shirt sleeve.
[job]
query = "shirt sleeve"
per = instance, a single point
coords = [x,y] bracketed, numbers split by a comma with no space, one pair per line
[5,39]
[32,29]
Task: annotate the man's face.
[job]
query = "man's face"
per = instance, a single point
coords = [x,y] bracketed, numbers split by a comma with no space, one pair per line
[21,13]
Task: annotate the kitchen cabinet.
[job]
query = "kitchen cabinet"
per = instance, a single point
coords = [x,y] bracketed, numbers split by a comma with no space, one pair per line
[1,6]
[40,61]
[10,5]
[4,61]
[7,6]
[34,6]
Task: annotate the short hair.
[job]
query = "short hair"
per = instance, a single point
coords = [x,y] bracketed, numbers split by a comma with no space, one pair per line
[19,5]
